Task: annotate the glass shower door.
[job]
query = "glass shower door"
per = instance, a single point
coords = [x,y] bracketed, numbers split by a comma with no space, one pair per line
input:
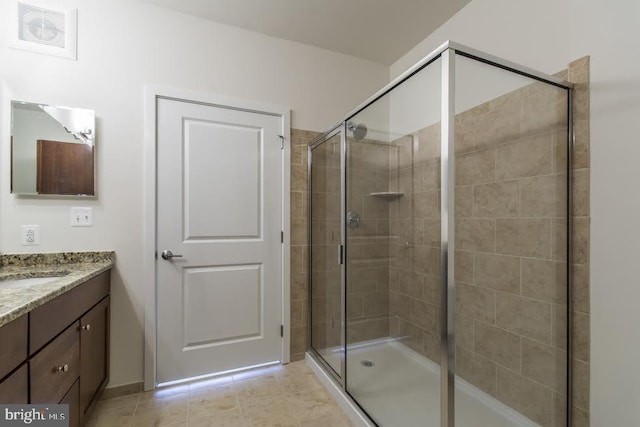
[393,254]
[325,240]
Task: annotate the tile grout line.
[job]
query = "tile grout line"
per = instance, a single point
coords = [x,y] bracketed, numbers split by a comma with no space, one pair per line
[135,410]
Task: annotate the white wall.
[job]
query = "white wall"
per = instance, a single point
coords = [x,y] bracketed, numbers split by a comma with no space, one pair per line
[5,134]
[124,45]
[519,30]
[532,33]
[609,32]
[416,103]
[547,35]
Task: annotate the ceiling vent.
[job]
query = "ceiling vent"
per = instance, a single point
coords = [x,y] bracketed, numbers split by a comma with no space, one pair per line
[39,28]
[42,26]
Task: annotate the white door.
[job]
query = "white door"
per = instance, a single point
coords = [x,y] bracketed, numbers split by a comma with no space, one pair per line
[219,177]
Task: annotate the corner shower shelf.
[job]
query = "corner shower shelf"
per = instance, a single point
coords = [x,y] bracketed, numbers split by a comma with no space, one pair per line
[388,195]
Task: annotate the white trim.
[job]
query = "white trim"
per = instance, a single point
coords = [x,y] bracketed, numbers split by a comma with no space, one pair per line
[286,228]
[151,94]
[217,374]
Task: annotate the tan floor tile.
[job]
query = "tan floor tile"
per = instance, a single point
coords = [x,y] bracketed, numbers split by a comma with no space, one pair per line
[333,419]
[205,402]
[111,417]
[278,396]
[297,377]
[228,418]
[210,383]
[260,404]
[258,372]
[318,412]
[161,412]
[130,401]
[258,388]
[149,402]
[269,413]
[154,419]
[310,404]
[164,392]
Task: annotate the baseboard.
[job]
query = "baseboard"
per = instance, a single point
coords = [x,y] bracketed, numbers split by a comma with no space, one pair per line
[122,390]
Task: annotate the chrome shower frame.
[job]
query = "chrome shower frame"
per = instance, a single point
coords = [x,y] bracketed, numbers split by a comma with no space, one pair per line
[447,53]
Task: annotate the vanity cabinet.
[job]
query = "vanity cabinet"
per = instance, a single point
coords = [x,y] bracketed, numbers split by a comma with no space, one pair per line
[55,368]
[94,354]
[15,388]
[72,398]
[59,352]
[13,340]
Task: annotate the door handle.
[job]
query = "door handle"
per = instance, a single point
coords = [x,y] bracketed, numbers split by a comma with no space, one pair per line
[167,254]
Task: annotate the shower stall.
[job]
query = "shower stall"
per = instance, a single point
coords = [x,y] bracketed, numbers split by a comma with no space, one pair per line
[439,247]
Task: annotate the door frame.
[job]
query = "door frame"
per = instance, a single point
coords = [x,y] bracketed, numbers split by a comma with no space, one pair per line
[151,95]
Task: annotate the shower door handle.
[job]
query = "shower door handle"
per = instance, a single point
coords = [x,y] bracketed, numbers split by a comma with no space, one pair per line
[340,254]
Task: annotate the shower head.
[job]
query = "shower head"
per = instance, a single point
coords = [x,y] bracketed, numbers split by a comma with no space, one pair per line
[359,130]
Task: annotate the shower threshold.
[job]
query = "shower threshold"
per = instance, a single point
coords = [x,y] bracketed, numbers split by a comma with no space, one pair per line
[402,389]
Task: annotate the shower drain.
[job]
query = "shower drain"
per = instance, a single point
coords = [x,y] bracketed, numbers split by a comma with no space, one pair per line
[367,363]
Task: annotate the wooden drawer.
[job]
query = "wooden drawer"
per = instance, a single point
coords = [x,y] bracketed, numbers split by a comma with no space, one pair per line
[13,341]
[94,354]
[72,398]
[50,319]
[49,382]
[15,388]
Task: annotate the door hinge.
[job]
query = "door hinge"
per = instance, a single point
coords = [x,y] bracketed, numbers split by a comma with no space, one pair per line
[282,237]
[281,141]
[282,331]
[340,254]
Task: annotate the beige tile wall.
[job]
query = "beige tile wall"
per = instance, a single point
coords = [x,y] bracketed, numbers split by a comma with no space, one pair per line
[368,308]
[368,244]
[325,226]
[414,221]
[299,245]
[579,75]
[511,206]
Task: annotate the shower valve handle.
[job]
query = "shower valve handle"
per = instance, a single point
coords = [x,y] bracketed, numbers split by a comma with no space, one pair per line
[353,219]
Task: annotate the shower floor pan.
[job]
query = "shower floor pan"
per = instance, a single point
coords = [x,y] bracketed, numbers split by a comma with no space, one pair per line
[400,388]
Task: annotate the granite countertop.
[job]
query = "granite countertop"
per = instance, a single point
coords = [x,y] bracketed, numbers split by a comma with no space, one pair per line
[68,268]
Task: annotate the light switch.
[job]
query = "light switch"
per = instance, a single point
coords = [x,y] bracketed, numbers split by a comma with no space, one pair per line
[81,217]
[30,235]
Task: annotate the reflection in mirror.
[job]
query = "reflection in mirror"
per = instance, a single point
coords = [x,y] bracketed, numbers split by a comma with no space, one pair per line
[52,150]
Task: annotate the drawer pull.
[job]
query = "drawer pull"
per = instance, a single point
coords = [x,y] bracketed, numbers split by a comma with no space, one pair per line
[87,327]
[63,368]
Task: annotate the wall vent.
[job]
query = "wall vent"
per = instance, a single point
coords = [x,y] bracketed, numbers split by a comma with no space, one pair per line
[41,26]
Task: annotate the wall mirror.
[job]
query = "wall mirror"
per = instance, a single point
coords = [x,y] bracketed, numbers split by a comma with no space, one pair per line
[52,150]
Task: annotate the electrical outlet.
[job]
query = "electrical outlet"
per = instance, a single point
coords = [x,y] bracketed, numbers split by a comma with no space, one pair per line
[81,217]
[30,235]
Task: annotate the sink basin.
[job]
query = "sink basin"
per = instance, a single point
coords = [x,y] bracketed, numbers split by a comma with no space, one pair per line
[18,282]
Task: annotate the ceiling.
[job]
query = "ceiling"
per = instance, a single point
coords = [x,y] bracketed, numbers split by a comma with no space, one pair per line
[377,30]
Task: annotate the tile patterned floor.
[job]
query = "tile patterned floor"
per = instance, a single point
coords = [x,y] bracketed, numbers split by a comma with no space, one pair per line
[277,396]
